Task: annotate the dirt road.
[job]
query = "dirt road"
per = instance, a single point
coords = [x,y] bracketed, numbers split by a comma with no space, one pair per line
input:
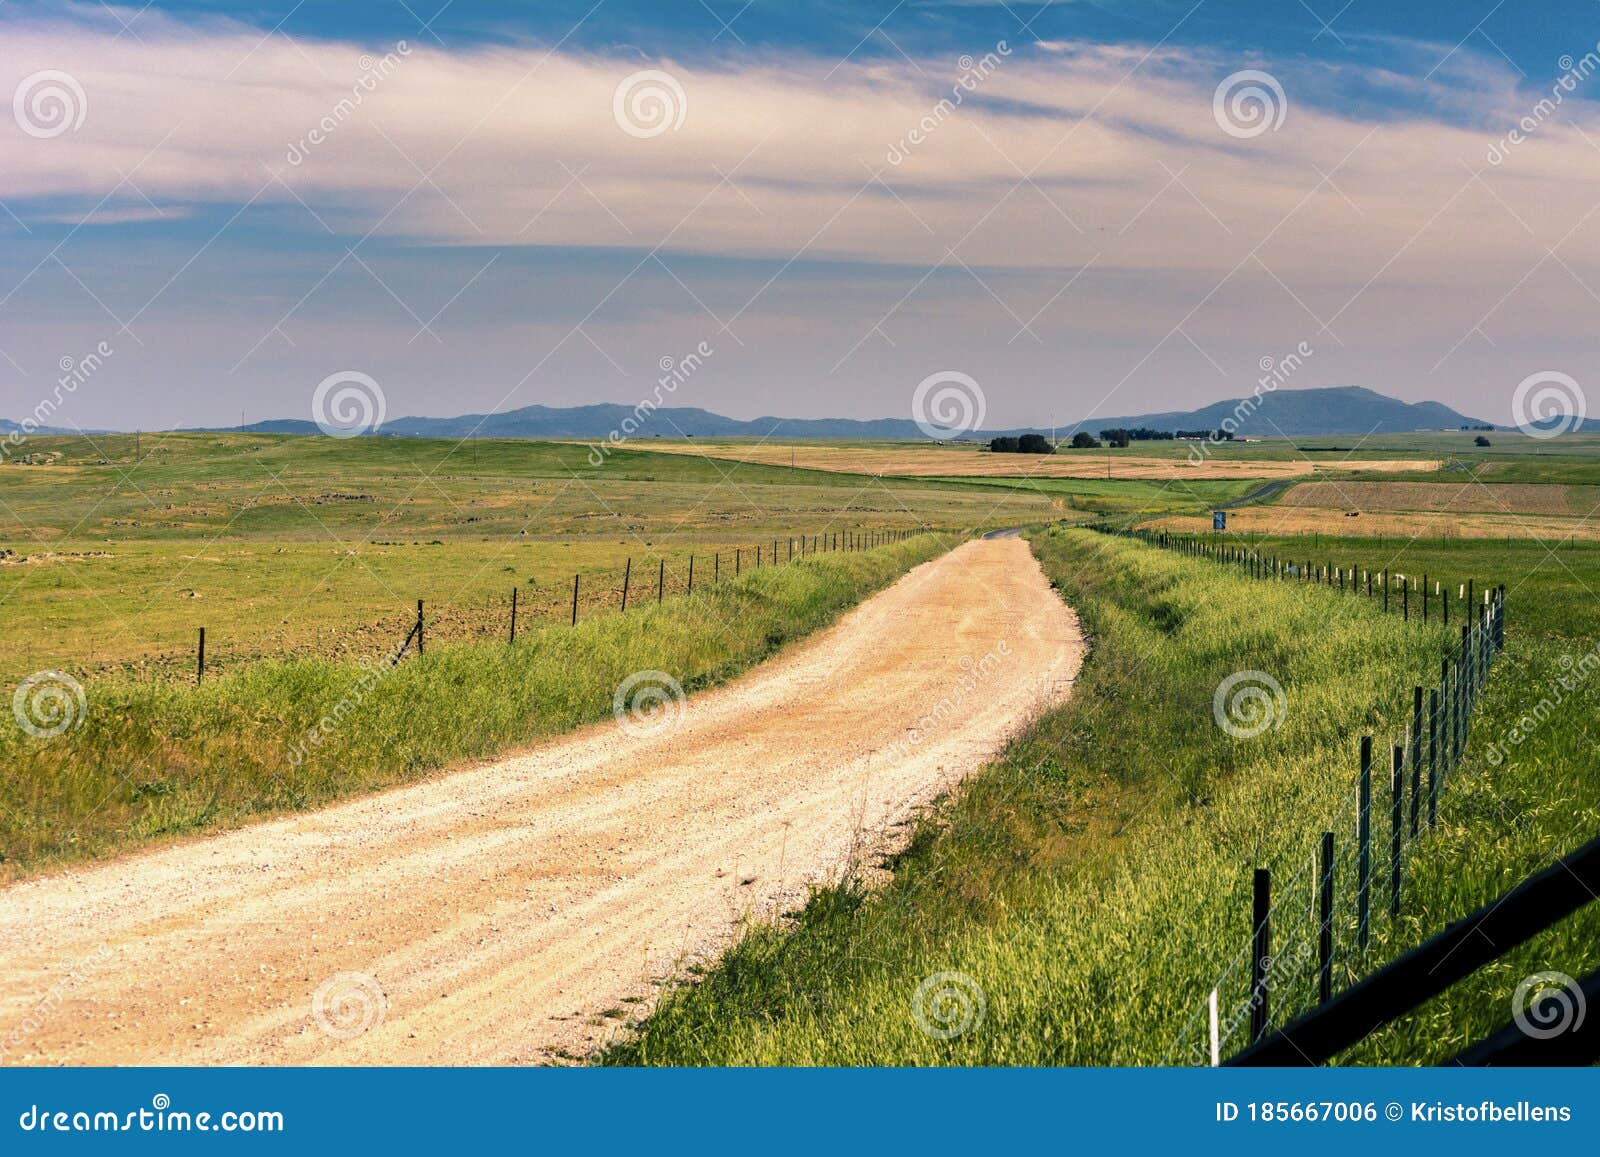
[516,911]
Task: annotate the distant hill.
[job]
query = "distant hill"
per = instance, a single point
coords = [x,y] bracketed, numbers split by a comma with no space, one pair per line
[1351,410]
[1303,413]
[599,420]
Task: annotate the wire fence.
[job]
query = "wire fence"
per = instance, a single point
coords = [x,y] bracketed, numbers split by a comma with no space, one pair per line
[1311,921]
[642,586]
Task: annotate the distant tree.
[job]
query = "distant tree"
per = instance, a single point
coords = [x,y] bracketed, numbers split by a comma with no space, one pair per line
[1117,437]
[1083,440]
[1034,444]
[1003,445]
[1480,440]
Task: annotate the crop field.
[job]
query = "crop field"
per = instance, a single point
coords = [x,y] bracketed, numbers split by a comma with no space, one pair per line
[1148,461]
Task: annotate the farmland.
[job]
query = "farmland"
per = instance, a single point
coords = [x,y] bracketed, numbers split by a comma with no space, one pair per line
[1113,821]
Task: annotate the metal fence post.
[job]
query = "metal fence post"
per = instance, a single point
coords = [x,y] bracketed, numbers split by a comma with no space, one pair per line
[200,660]
[419,626]
[1397,797]
[1364,847]
[1416,759]
[627,574]
[513,638]
[1260,953]
[1325,938]
[574,600]
[1433,759]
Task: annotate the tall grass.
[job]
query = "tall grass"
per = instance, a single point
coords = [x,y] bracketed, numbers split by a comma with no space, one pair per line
[1093,882]
[153,760]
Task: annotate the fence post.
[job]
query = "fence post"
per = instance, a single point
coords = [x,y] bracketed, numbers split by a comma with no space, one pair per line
[1364,847]
[1416,759]
[1386,578]
[574,600]
[1424,599]
[200,661]
[691,575]
[1405,601]
[513,614]
[1433,759]
[627,575]
[1397,828]
[1260,953]
[1325,938]
[738,561]
[419,626]
[661,582]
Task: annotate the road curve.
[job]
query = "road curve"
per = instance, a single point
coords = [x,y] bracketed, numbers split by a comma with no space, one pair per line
[511,912]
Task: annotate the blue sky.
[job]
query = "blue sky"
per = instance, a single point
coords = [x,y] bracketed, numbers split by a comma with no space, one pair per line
[1079,231]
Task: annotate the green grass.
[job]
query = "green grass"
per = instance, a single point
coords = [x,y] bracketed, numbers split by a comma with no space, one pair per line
[1094,882]
[157,759]
[305,547]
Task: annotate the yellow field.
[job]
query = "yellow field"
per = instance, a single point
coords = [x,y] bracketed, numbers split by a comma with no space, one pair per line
[963,462]
[1411,524]
[1446,496]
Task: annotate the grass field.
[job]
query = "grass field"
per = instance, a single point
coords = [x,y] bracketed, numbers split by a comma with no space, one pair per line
[1094,883]
[150,760]
[298,547]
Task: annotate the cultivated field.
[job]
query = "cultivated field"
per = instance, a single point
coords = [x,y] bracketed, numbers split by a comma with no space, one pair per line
[1139,463]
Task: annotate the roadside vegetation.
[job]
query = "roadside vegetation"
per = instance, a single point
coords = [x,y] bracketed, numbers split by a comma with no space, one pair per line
[156,759]
[1093,883]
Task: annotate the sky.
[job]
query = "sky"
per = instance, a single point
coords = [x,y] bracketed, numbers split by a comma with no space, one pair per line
[1077,208]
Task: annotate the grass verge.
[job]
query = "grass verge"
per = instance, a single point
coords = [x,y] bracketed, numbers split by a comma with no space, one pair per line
[156,760]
